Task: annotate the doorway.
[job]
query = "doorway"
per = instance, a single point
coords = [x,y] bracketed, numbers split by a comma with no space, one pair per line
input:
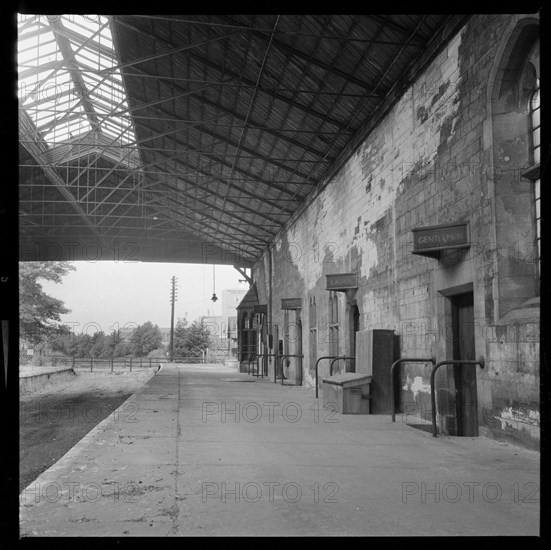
[463,342]
[354,324]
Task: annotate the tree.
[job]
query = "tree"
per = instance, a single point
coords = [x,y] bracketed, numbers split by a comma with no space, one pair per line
[99,341]
[97,345]
[80,345]
[111,343]
[189,339]
[145,338]
[116,345]
[39,313]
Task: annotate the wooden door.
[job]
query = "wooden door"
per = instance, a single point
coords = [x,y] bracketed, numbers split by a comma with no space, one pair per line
[466,408]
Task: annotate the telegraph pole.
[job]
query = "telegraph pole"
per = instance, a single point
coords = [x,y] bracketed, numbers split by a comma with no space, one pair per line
[173,296]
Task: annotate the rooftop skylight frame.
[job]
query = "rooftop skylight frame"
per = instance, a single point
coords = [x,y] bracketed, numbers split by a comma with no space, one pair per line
[48,91]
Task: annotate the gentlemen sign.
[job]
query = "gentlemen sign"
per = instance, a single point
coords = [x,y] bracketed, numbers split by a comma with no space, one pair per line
[342,281]
[262,308]
[291,303]
[435,238]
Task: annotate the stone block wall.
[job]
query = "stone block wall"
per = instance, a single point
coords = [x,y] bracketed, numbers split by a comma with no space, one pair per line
[429,161]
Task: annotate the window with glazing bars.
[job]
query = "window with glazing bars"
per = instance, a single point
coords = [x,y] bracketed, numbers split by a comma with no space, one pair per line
[535,158]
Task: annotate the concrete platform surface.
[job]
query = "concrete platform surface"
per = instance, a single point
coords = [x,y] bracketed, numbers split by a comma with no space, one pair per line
[203,450]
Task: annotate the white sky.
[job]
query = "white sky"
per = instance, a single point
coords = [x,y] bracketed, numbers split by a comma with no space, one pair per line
[107,293]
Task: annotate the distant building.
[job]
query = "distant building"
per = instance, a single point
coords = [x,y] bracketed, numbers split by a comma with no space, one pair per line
[220,324]
[223,328]
[230,300]
[216,325]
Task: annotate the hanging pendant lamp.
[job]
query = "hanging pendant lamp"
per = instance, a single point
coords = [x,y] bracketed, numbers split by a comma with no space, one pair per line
[214,297]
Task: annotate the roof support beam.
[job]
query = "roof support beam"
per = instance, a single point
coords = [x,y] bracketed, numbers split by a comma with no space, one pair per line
[204,233]
[241,190]
[234,215]
[136,142]
[306,57]
[234,202]
[249,111]
[165,53]
[233,229]
[217,159]
[396,27]
[241,272]
[25,124]
[271,92]
[251,152]
[39,69]
[75,68]
[68,55]
[279,32]
[30,21]
[88,42]
[260,127]
[214,207]
[231,112]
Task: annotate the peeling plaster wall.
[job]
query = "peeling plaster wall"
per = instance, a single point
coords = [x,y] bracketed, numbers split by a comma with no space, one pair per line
[424,164]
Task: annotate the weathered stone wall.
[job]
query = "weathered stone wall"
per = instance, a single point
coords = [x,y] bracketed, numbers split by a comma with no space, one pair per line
[428,162]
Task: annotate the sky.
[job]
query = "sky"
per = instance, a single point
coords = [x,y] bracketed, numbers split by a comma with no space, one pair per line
[109,295]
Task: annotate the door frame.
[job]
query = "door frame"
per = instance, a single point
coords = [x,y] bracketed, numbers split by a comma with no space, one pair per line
[466,405]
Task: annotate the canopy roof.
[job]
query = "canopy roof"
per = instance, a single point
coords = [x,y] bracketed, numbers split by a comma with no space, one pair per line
[196,138]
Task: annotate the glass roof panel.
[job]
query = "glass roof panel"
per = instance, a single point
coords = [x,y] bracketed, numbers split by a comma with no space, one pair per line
[60,55]
[87,27]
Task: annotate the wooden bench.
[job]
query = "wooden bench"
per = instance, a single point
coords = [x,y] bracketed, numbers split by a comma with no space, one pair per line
[347,393]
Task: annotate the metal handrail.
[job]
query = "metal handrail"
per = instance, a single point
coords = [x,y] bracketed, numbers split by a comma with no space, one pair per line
[338,359]
[317,363]
[286,356]
[392,385]
[249,362]
[480,362]
[258,356]
[264,356]
[277,356]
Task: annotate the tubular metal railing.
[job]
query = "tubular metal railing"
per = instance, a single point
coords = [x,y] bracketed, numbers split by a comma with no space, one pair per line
[263,357]
[286,356]
[277,357]
[249,362]
[317,363]
[340,358]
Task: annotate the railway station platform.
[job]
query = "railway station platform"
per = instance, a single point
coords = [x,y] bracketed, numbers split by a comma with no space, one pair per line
[203,450]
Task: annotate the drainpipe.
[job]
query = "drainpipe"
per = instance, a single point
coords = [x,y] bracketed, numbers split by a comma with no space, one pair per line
[270,293]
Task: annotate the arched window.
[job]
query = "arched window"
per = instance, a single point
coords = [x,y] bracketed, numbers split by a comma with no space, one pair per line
[513,104]
[534,113]
[535,123]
